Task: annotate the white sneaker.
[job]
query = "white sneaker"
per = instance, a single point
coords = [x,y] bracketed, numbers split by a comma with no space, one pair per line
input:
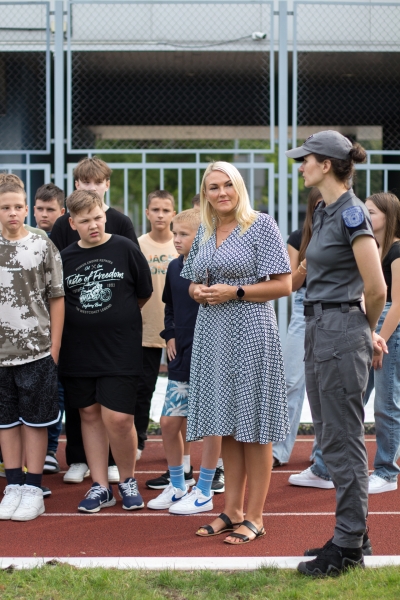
[113,474]
[76,473]
[308,479]
[193,503]
[138,454]
[31,505]
[171,495]
[377,485]
[10,502]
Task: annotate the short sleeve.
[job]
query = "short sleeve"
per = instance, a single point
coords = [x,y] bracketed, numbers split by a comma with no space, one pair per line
[356,222]
[187,271]
[53,272]
[141,272]
[128,231]
[294,239]
[271,254]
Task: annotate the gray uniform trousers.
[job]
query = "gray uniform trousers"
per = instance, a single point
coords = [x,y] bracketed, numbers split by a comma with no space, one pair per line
[338,354]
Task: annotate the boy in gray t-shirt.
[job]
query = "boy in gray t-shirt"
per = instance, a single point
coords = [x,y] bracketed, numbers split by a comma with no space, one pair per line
[31,323]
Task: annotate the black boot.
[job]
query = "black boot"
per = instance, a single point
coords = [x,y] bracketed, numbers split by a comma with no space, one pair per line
[332,560]
[366,547]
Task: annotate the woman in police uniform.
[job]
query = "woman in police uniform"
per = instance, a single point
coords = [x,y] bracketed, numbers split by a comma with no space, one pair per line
[342,263]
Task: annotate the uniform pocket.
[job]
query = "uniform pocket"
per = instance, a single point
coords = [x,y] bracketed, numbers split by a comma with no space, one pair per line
[344,366]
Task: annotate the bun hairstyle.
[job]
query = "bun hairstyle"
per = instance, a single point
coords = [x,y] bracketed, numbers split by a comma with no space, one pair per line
[343,170]
[389,204]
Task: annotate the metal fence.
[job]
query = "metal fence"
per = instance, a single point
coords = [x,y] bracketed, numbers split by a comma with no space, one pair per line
[24,77]
[176,74]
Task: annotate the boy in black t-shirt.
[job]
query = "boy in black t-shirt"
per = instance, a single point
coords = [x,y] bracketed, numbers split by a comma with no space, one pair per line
[107,281]
[91,173]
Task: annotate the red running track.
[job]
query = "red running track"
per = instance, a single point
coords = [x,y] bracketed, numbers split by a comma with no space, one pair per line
[295,518]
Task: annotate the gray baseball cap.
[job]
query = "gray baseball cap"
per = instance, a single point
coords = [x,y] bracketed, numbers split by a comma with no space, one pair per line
[328,143]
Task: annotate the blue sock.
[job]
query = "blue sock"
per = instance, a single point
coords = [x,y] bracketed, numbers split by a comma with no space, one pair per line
[205,480]
[177,477]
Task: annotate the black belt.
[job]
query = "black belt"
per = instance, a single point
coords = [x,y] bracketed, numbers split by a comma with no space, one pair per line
[309,309]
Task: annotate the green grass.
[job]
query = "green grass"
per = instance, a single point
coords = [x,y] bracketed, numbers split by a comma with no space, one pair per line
[63,582]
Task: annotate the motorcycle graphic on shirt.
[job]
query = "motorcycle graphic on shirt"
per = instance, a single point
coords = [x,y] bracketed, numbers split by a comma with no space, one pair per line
[93,292]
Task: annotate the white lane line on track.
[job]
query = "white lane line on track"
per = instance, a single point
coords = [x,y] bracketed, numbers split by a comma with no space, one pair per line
[204,514]
[213,563]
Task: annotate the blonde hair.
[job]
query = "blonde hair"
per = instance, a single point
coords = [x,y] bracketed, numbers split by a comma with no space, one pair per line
[11,178]
[190,217]
[83,200]
[244,214]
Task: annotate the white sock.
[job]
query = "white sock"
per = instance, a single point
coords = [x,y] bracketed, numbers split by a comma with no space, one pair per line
[186,463]
[220,464]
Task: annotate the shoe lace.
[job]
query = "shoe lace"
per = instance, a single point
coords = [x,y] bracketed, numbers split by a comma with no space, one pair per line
[129,488]
[9,493]
[95,492]
[218,472]
[328,550]
[27,494]
[76,466]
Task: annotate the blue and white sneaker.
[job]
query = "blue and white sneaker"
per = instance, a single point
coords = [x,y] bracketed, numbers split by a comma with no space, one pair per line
[131,499]
[96,498]
[193,503]
[167,498]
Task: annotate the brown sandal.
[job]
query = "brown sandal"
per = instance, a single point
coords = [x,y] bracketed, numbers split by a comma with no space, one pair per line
[244,539]
[229,526]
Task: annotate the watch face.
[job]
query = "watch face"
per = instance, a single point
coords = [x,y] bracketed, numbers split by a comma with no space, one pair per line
[240,292]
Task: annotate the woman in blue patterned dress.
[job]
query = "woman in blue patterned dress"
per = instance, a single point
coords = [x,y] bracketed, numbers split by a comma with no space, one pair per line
[238,264]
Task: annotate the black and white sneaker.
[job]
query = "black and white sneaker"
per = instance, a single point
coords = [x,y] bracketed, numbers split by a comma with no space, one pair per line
[162,482]
[51,463]
[332,561]
[46,491]
[218,483]
[366,547]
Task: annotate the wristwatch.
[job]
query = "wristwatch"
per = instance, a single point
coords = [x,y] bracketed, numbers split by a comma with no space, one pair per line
[240,292]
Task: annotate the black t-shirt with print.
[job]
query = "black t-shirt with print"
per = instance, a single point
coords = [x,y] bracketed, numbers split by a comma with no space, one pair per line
[391,256]
[63,235]
[103,326]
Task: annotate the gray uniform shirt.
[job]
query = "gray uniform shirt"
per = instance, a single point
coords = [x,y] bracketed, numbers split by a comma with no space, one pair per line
[332,272]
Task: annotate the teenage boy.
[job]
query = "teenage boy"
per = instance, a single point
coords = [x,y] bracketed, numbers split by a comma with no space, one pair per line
[180,319]
[32,317]
[11,178]
[107,281]
[158,248]
[89,174]
[49,206]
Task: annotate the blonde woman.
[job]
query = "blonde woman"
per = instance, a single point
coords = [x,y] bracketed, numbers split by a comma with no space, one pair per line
[237,265]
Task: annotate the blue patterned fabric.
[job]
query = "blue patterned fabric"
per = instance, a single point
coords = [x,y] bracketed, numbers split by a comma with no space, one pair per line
[176,399]
[237,379]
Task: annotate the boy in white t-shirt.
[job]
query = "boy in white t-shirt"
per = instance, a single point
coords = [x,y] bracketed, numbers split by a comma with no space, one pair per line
[158,247]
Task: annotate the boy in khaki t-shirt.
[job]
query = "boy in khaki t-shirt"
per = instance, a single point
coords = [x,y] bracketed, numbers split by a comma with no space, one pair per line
[159,249]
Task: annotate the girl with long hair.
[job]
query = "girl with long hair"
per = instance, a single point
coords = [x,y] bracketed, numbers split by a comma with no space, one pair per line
[384,210]
[292,353]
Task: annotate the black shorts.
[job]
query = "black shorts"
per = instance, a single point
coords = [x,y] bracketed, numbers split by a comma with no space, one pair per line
[29,394]
[115,393]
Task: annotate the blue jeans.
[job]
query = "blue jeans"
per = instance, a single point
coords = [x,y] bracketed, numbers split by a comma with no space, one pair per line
[387,407]
[54,431]
[293,358]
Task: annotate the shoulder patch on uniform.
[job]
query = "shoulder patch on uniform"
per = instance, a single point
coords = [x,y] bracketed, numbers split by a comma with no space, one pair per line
[353,216]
